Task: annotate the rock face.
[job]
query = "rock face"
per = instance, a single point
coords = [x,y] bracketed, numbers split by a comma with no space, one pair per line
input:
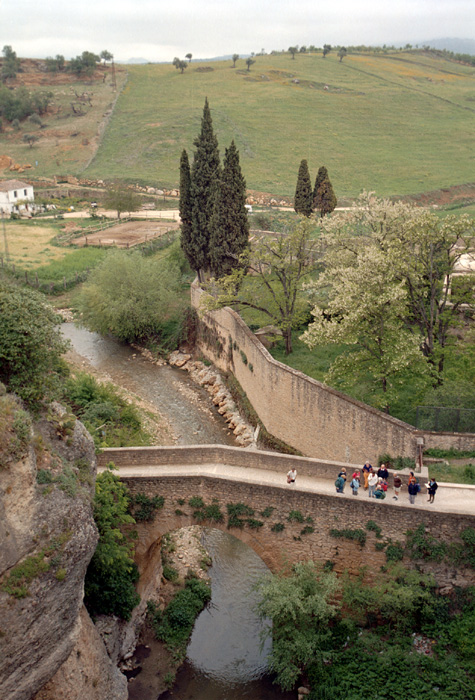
[87,674]
[47,536]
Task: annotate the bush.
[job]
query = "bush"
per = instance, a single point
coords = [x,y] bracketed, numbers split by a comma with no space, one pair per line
[295,516]
[169,573]
[30,344]
[358,535]
[109,584]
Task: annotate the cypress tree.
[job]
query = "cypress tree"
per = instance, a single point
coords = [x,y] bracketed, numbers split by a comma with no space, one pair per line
[321,176]
[303,202]
[326,198]
[230,225]
[185,209]
[205,174]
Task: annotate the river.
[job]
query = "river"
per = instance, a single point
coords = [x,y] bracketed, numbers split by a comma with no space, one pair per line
[224,657]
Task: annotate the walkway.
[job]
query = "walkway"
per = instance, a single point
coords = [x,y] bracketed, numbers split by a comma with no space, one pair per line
[450,498]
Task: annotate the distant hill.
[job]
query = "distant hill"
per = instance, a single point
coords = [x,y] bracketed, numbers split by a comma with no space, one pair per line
[394,122]
[451,44]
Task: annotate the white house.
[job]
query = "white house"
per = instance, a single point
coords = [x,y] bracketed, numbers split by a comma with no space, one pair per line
[15,196]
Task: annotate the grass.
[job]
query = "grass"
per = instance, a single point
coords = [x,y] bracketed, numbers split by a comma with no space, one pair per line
[396,124]
[453,473]
[67,142]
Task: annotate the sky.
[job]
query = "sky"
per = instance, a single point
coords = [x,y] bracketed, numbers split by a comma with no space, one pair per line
[159,30]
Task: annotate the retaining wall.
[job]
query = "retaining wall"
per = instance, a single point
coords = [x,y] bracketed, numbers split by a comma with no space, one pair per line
[311,417]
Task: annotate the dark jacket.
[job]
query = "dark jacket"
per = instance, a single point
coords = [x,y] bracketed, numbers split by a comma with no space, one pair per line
[413,488]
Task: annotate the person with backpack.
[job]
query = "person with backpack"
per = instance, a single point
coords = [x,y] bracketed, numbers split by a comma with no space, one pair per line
[340,481]
[355,484]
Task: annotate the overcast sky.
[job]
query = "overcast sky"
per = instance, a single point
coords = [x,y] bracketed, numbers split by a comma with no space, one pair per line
[159,30]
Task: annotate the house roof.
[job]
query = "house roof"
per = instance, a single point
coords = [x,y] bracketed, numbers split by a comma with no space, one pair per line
[8,185]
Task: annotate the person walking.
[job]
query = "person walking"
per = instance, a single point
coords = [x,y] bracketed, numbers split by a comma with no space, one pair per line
[372,483]
[397,486]
[291,476]
[432,487]
[341,481]
[367,469]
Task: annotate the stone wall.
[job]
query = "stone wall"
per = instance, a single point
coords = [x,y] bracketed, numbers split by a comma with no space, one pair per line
[311,417]
[219,454]
[280,548]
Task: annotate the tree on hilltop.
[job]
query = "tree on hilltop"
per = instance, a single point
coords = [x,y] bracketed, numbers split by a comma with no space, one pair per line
[205,175]
[342,53]
[10,63]
[303,201]
[235,58]
[106,56]
[326,49]
[249,62]
[293,50]
[189,56]
[230,225]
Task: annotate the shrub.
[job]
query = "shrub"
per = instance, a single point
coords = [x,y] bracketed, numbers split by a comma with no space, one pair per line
[170,574]
[358,535]
[278,527]
[295,516]
[143,508]
[394,551]
[372,526]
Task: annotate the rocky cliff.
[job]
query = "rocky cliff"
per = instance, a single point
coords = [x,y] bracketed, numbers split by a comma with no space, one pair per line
[47,536]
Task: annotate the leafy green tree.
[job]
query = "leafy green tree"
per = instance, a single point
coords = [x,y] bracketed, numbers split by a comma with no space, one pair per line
[186,238]
[10,63]
[342,53]
[422,252]
[277,266]
[121,199]
[130,296]
[301,607]
[230,225]
[249,63]
[303,201]
[322,177]
[326,197]
[181,65]
[85,64]
[235,58]
[109,584]
[293,50]
[30,139]
[365,312]
[189,56]
[30,344]
[106,56]
[15,104]
[205,177]
[326,49]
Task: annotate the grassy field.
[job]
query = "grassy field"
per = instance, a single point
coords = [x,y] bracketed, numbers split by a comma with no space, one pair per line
[396,124]
[67,141]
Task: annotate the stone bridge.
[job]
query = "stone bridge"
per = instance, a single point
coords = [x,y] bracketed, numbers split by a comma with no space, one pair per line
[288,523]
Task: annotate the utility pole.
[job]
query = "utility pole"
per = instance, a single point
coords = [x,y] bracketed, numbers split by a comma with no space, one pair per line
[7,257]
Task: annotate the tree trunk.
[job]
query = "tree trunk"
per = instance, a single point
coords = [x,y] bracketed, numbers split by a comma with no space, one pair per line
[288,341]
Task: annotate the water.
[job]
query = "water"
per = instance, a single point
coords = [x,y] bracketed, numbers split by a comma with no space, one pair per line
[225,659]
[186,405]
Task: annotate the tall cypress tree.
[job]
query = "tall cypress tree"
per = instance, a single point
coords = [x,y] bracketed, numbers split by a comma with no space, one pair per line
[185,209]
[230,225]
[205,174]
[324,198]
[303,202]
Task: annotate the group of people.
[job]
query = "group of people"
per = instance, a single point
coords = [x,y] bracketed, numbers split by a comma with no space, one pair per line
[376,483]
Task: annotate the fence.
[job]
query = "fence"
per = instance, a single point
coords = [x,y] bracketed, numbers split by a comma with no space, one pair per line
[452,420]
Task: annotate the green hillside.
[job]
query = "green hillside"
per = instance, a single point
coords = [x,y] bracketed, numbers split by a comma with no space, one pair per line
[395,123]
